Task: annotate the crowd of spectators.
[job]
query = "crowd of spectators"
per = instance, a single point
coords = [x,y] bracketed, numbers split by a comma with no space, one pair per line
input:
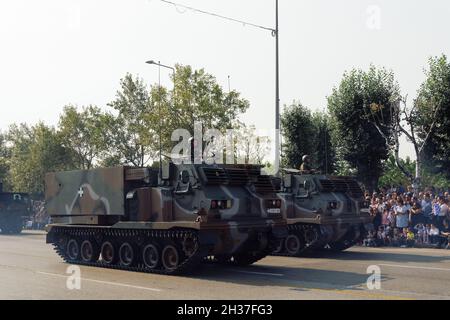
[406,218]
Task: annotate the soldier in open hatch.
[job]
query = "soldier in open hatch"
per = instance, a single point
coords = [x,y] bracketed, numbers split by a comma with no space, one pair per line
[306,163]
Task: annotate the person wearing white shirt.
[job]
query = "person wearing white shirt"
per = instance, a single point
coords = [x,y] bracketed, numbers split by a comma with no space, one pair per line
[444,209]
[401,214]
[433,233]
[443,212]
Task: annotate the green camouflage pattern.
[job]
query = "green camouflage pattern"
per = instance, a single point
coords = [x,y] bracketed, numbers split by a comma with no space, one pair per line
[322,211]
[241,219]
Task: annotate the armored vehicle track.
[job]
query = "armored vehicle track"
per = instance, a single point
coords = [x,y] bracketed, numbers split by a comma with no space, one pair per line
[302,240]
[168,252]
[152,251]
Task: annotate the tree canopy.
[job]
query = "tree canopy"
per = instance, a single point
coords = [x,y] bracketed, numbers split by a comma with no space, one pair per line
[356,138]
[5,156]
[304,133]
[435,92]
[35,151]
[85,134]
[132,130]
[353,138]
[126,134]
[298,131]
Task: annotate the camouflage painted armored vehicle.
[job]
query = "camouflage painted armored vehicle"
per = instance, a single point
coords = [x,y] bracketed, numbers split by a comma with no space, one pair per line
[14,207]
[322,212]
[130,219]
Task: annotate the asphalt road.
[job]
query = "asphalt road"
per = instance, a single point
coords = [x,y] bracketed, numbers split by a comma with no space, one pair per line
[29,269]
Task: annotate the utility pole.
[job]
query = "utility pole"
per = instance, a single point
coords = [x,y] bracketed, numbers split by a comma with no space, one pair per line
[275,34]
[159,105]
[277,90]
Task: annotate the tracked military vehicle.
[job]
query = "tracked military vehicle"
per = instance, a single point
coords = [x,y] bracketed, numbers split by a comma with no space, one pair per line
[322,212]
[14,207]
[165,221]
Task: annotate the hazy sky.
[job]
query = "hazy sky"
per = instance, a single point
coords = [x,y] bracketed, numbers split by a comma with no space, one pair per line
[56,52]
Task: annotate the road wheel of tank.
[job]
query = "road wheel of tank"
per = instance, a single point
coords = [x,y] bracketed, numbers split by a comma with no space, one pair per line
[151,256]
[127,254]
[89,251]
[170,257]
[109,253]
[311,236]
[190,246]
[73,250]
[345,242]
[293,244]
[279,247]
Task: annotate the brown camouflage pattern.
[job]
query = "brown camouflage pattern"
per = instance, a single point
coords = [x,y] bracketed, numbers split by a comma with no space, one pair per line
[133,198]
[312,207]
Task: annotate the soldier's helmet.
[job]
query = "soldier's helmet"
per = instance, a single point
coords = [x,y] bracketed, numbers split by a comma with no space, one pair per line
[305,158]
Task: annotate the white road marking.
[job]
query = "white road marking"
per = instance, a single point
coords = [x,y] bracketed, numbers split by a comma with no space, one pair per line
[103,282]
[260,273]
[413,267]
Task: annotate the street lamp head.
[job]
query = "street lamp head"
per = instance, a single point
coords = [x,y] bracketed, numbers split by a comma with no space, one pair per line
[150,62]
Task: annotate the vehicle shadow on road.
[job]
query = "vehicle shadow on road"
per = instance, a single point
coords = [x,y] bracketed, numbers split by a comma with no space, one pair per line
[385,256]
[297,278]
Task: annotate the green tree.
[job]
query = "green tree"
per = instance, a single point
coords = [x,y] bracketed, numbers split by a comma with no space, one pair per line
[35,151]
[434,94]
[356,138]
[307,133]
[161,119]
[133,129]
[393,176]
[324,151]
[143,115]
[299,134]
[5,160]
[197,97]
[85,133]
[249,146]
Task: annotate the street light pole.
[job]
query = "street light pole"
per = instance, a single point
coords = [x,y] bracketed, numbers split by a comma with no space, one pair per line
[277,90]
[277,71]
[160,120]
[159,105]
